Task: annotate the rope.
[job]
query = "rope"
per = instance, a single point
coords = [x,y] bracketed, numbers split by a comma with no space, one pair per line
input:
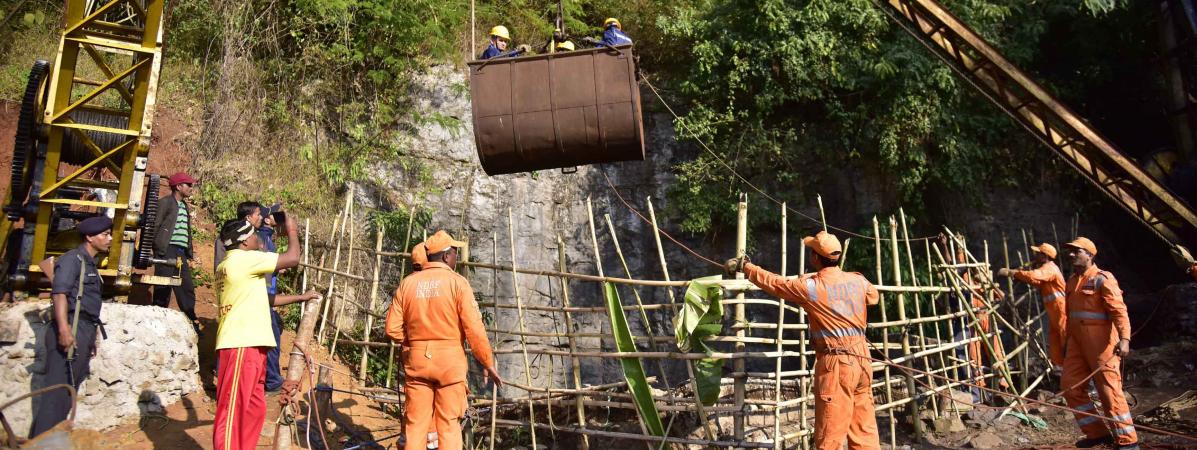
[745,181]
[646,220]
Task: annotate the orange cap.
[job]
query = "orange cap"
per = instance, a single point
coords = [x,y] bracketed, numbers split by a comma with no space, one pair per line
[419,257]
[825,244]
[1045,249]
[1083,243]
[440,242]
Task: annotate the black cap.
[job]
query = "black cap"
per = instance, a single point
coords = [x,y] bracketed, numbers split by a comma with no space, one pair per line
[235,232]
[92,226]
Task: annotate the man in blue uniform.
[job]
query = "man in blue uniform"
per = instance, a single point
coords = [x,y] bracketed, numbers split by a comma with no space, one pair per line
[613,33]
[69,295]
[274,375]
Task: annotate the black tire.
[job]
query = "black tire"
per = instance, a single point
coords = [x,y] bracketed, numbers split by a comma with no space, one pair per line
[25,142]
[145,244]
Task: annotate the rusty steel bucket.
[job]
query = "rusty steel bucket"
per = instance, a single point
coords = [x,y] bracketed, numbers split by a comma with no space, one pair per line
[556,110]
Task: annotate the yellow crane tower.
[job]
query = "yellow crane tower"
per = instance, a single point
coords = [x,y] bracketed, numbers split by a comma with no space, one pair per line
[82,146]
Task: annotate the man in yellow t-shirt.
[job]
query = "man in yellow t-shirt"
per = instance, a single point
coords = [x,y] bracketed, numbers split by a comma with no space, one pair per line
[244,334]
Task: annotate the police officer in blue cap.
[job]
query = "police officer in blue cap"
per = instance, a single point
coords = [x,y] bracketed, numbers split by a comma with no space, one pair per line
[70,340]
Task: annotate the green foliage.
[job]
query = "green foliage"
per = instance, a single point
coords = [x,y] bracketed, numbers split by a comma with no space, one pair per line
[394,225]
[792,93]
[351,356]
[200,276]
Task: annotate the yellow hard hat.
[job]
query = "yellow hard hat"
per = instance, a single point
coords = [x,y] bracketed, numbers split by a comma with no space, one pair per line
[500,31]
[565,45]
[612,20]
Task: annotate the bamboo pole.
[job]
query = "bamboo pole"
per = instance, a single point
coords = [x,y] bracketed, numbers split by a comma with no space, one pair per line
[411,217]
[303,284]
[804,383]
[977,327]
[937,327]
[889,395]
[575,362]
[897,272]
[515,286]
[598,265]
[494,295]
[297,362]
[648,328]
[373,305]
[340,236]
[349,219]
[918,309]
[699,408]
[741,249]
[781,319]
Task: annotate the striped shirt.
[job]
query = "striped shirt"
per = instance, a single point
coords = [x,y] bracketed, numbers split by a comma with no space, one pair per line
[181,236]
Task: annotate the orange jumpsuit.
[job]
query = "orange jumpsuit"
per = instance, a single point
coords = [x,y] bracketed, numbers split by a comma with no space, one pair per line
[975,348]
[835,301]
[1050,282]
[1097,319]
[432,313]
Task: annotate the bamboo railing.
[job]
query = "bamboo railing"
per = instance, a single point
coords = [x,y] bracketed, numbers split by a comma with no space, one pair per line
[925,320]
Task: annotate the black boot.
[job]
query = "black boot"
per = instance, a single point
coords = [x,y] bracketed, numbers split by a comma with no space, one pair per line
[1094,442]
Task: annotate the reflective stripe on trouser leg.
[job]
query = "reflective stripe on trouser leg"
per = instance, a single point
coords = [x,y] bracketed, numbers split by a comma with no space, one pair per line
[1075,370]
[1109,389]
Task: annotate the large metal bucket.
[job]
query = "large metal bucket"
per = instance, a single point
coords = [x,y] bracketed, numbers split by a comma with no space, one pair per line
[556,110]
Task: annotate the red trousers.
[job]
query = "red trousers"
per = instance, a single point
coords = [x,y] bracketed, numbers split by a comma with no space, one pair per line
[240,398]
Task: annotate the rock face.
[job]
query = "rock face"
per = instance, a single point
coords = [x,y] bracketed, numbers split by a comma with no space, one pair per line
[148,361]
[439,172]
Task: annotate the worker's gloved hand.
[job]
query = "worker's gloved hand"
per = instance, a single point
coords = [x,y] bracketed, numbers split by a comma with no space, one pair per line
[1122,348]
[591,40]
[524,48]
[735,265]
[1003,272]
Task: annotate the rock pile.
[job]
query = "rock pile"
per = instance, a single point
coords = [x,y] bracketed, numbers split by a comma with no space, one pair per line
[149,361]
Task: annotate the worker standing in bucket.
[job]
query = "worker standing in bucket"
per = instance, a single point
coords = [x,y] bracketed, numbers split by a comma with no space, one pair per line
[836,302]
[1099,335]
[500,39]
[432,313]
[1048,279]
[75,293]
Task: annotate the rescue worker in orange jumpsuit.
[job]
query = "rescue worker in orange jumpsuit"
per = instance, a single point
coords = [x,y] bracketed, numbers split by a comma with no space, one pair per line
[1046,277]
[1099,335]
[835,301]
[432,312]
[419,257]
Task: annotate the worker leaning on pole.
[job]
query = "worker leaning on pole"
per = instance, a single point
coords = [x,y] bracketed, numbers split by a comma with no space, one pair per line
[835,301]
[1047,278]
[70,340]
[432,312]
[1099,335]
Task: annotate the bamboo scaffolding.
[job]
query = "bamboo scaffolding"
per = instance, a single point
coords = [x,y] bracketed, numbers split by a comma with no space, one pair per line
[373,305]
[759,402]
[515,286]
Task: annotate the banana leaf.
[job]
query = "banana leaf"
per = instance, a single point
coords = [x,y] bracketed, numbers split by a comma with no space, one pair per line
[701,317]
[633,371]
